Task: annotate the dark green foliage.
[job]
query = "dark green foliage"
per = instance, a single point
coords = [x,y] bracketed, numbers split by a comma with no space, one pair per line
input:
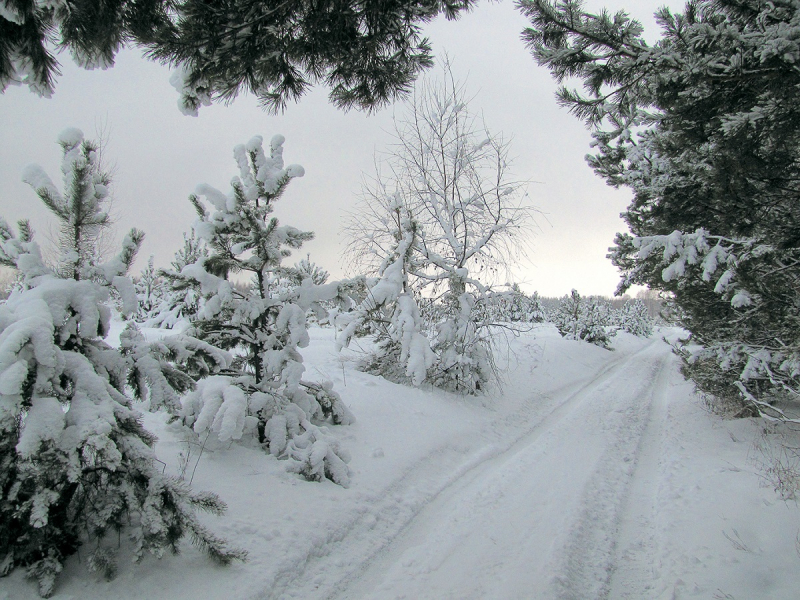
[704,127]
[367,53]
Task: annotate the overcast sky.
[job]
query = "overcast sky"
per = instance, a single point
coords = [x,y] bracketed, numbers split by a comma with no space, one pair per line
[161,155]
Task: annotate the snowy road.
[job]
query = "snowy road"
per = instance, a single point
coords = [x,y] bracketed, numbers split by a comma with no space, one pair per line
[545,517]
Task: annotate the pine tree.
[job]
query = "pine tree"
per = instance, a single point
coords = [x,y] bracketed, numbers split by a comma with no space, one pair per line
[76,465]
[517,305]
[462,343]
[514,306]
[194,249]
[149,292]
[367,53]
[635,319]
[80,209]
[263,394]
[536,311]
[390,309]
[180,296]
[704,128]
[307,269]
[585,319]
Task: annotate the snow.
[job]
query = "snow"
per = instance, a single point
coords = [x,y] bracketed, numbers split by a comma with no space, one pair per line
[295,170]
[127,293]
[589,474]
[192,96]
[44,421]
[11,13]
[35,176]
[70,137]
[218,406]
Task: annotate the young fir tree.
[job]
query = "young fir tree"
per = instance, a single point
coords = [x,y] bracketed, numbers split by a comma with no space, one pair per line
[263,395]
[536,311]
[76,465]
[180,296]
[149,292]
[585,319]
[635,319]
[513,306]
[463,341]
[307,269]
[403,351]
[81,209]
[517,305]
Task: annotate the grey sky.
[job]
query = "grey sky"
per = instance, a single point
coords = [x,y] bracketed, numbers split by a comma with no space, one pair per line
[161,155]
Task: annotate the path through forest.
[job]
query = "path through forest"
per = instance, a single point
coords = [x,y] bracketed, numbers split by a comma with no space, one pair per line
[566,511]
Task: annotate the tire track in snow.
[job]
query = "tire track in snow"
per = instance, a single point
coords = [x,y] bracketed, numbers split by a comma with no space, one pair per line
[585,566]
[636,569]
[365,539]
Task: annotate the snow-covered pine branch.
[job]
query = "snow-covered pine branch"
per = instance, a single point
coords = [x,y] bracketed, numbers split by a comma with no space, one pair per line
[404,353]
[738,278]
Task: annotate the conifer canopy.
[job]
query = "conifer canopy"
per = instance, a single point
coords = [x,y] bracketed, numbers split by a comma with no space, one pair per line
[367,52]
[704,127]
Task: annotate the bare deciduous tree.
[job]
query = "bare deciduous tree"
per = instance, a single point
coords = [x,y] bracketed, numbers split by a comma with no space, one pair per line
[451,177]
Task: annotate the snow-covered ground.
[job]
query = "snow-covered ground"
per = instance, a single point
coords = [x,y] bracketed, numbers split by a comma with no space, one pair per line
[588,474]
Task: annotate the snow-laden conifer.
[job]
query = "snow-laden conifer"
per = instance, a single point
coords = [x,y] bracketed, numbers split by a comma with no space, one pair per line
[585,319]
[76,466]
[149,292]
[635,318]
[179,296]
[536,311]
[263,394]
[403,351]
[703,127]
[514,306]
[81,206]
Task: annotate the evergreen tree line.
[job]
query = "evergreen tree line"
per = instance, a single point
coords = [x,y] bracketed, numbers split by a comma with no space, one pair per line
[594,319]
